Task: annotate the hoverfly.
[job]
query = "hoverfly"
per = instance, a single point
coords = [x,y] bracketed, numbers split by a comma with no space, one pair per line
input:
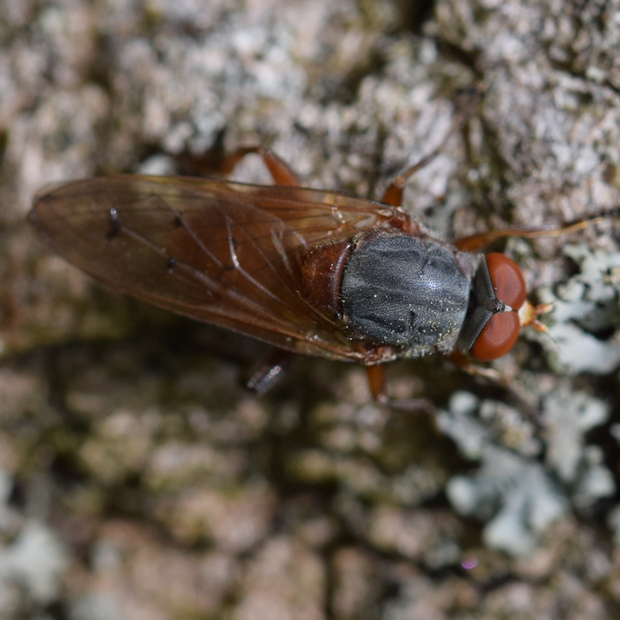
[309,271]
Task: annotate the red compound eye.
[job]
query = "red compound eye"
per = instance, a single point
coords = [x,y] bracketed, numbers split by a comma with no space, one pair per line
[496,337]
[507,280]
[500,333]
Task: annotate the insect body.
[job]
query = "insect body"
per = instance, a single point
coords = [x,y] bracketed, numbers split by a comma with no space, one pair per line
[309,271]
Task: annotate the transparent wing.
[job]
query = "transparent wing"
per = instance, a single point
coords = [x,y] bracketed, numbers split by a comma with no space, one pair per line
[222,252]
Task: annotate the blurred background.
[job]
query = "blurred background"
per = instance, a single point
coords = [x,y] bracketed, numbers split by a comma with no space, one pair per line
[139,479]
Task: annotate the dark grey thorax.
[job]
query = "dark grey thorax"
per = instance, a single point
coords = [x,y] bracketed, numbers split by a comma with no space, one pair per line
[407,292]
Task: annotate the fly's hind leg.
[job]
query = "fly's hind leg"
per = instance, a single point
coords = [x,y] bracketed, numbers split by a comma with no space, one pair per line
[280,171]
[214,162]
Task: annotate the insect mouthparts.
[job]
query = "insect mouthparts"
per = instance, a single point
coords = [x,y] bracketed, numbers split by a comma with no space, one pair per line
[495,306]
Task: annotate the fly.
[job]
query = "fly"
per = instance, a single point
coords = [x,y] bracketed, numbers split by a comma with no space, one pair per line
[309,271]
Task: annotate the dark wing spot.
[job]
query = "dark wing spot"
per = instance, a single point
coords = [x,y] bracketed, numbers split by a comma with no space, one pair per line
[115,225]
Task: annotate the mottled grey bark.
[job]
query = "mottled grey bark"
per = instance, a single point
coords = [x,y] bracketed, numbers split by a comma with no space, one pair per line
[138,480]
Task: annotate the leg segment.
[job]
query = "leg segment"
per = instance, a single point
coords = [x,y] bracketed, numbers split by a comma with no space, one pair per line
[280,171]
[473,243]
[377,385]
[393,195]
[214,162]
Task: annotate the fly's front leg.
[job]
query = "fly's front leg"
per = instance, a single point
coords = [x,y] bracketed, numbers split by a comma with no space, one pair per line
[478,241]
[474,243]
[491,376]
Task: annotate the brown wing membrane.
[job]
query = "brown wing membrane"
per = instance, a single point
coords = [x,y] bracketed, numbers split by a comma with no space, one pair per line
[223,252]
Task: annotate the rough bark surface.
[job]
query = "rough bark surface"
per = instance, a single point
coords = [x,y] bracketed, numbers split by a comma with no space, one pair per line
[138,480]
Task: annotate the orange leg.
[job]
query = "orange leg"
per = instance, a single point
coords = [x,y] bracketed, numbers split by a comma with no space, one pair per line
[377,385]
[214,162]
[393,195]
[280,171]
[376,382]
[492,376]
[473,243]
